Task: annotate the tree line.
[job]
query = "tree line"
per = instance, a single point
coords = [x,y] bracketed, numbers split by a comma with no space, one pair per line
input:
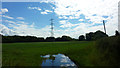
[88,37]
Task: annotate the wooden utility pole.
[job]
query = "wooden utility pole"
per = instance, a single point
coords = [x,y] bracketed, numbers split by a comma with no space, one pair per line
[104,26]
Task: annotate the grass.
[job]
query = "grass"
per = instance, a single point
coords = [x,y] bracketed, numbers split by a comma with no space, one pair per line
[103,52]
[28,54]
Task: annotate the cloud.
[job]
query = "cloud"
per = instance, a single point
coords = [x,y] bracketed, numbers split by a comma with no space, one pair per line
[6,31]
[4,10]
[65,23]
[63,17]
[119,16]
[25,29]
[33,25]
[68,17]
[39,9]
[21,22]
[46,12]
[81,19]
[7,17]
[0,12]
[0,18]
[20,18]
[8,21]
[94,10]
[36,8]
[79,29]
[62,21]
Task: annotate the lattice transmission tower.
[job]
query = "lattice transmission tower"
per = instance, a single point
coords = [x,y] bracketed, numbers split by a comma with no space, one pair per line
[52,33]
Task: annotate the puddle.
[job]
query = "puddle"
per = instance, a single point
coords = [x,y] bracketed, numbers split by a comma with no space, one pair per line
[59,60]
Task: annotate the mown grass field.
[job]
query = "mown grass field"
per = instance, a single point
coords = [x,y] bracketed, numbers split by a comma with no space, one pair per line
[28,54]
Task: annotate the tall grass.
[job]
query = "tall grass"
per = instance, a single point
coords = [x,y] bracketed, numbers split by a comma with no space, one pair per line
[106,52]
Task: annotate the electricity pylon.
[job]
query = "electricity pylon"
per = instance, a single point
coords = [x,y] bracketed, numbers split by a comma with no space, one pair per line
[52,34]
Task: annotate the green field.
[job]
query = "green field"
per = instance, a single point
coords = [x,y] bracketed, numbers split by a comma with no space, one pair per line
[28,54]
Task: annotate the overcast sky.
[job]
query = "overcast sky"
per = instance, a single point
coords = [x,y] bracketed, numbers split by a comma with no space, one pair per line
[71,17]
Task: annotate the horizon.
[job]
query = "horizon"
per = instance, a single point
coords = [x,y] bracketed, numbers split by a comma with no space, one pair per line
[71,18]
[55,37]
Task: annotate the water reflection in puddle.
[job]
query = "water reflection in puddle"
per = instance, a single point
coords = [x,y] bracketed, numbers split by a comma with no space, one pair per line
[58,60]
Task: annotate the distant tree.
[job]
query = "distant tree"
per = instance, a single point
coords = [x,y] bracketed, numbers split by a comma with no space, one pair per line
[117,33]
[50,39]
[58,39]
[99,34]
[66,38]
[74,39]
[94,36]
[89,36]
[81,38]
[11,39]
[41,39]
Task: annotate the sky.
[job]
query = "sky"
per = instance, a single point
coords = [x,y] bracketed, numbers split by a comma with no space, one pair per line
[71,17]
